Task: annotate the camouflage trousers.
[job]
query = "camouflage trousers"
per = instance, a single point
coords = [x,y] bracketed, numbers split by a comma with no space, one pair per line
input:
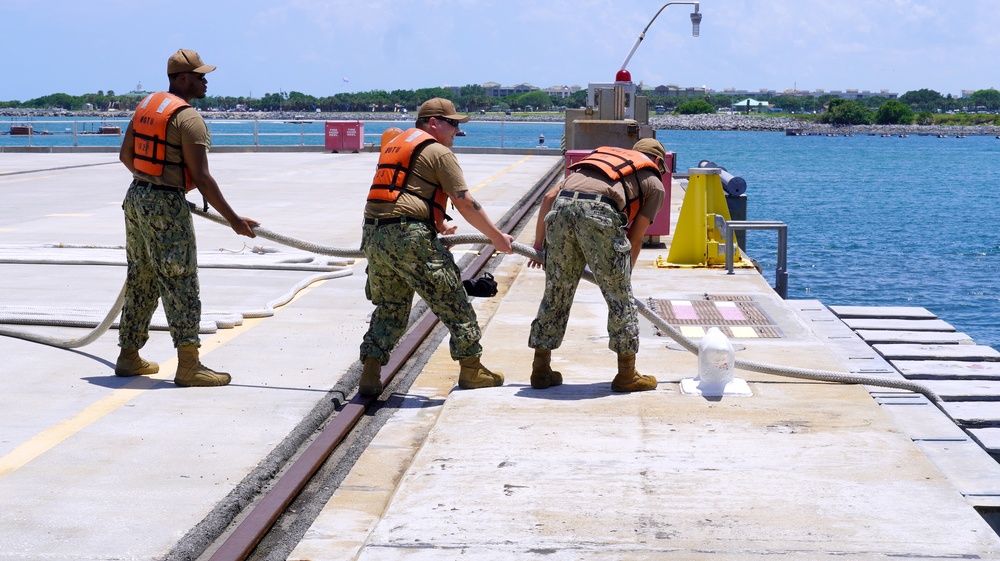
[580,233]
[162,264]
[408,258]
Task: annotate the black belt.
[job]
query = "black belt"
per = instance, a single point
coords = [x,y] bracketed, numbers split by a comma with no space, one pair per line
[156,187]
[394,220]
[588,197]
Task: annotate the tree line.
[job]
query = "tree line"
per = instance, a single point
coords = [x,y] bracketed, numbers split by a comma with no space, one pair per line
[913,106]
[471,98]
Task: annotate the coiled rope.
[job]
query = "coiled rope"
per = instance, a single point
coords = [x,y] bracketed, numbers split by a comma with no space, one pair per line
[520,249]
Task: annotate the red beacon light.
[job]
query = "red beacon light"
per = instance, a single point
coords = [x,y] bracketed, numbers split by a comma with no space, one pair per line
[623,76]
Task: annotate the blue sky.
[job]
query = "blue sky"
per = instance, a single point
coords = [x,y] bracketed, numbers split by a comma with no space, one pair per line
[312,46]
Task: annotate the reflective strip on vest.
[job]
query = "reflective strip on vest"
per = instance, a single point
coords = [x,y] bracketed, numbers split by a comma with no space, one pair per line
[149,129]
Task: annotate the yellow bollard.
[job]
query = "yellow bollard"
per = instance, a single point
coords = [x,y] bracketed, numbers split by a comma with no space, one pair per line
[696,240]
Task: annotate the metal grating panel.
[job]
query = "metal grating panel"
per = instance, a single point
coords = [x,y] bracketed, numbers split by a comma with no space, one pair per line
[738,317]
[728,298]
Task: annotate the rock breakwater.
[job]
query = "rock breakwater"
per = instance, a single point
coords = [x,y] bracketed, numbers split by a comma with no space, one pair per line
[727,122]
[716,122]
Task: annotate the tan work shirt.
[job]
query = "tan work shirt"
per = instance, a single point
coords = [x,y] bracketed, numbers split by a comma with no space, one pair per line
[436,163]
[588,180]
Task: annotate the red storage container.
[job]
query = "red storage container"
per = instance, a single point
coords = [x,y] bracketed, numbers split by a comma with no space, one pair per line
[334,137]
[345,135]
[670,162]
[574,156]
[354,135]
[661,224]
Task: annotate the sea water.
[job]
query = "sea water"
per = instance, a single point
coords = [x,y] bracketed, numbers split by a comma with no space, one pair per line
[872,220]
[300,131]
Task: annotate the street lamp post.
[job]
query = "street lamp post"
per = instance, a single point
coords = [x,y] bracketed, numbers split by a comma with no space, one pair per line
[624,75]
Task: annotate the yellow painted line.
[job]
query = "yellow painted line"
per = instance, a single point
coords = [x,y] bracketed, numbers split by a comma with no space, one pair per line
[55,434]
[67,215]
[19,179]
[499,173]
[49,438]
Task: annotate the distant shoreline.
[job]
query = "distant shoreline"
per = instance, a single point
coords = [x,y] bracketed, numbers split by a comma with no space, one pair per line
[716,122]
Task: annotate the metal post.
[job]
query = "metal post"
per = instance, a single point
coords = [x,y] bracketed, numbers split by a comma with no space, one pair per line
[781,267]
[728,230]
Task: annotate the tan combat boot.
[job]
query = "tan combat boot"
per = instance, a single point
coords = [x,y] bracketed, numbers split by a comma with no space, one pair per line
[191,372]
[371,378]
[628,379]
[542,375]
[129,363]
[475,375]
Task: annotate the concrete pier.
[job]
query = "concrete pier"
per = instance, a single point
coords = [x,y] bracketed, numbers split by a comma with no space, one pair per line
[98,467]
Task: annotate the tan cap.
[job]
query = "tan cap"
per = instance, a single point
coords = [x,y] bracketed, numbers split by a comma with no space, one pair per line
[186,60]
[440,107]
[652,148]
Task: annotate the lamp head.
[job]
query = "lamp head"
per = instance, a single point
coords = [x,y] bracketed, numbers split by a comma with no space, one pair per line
[695,22]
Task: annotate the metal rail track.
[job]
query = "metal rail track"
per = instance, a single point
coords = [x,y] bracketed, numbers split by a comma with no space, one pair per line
[251,526]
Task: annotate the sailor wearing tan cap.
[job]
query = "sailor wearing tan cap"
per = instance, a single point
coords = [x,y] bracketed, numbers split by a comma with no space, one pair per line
[582,221]
[166,149]
[417,175]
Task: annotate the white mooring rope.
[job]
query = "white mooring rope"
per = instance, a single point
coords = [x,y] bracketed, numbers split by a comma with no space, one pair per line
[520,249]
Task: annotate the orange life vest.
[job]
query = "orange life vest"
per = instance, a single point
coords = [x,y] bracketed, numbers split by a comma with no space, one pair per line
[149,128]
[394,168]
[616,164]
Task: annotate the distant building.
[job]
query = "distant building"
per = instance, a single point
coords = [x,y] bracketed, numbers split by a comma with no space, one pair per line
[130,100]
[846,94]
[677,91]
[749,105]
[562,91]
[494,89]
